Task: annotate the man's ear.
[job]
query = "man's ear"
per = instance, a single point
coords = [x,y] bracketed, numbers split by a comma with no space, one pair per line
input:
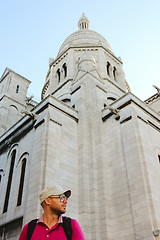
[47,201]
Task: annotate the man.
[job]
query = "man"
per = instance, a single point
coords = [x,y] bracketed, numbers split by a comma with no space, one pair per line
[51,224]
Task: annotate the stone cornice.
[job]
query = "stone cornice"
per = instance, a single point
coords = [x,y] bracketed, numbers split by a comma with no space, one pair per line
[59,57]
[152,98]
[26,123]
[126,100]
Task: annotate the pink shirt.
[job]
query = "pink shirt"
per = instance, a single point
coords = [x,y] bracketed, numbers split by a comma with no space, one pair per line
[42,232]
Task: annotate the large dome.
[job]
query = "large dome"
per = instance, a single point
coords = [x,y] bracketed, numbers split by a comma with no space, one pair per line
[84,38]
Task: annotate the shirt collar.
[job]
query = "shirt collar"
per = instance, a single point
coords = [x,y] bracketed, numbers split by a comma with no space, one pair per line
[60,220]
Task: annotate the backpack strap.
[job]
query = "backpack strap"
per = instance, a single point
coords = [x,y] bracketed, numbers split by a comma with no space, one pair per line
[31,227]
[67,227]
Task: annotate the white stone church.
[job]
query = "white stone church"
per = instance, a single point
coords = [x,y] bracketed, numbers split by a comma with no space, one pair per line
[89,134]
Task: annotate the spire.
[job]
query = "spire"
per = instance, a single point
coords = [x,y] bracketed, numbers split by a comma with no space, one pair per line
[83,22]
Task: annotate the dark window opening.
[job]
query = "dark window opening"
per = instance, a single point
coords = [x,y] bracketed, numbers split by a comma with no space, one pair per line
[9,181]
[66,100]
[114,73]
[159,158]
[111,98]
[65,69]
[21,184]
[17,89]
[73,106]
[0,178]
[59,75]
[108,68]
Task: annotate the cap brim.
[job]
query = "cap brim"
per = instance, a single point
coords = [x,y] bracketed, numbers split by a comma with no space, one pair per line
[67,193]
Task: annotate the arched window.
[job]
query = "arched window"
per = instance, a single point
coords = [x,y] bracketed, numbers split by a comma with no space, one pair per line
[13,156]
[65,70]
[111,98]
[21,184]
[114,73]
[108,68]
[17,89]
[58,75]
[1,174]
[66,100]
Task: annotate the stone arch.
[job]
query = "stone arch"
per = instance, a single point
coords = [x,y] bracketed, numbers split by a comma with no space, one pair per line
[12,114]
[111,97]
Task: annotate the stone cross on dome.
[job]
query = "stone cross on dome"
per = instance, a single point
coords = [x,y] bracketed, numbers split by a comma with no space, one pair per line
[83,22]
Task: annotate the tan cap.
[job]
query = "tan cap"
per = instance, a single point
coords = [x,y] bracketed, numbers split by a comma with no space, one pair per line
[53,191]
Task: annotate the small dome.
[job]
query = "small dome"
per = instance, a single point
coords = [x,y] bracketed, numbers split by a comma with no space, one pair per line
[84,38]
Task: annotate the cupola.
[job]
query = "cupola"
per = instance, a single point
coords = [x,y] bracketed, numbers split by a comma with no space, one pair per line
[83,23]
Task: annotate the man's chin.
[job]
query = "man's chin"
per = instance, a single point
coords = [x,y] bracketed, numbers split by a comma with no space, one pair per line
[63,211]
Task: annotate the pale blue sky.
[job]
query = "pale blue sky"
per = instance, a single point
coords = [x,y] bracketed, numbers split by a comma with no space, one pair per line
[32,31]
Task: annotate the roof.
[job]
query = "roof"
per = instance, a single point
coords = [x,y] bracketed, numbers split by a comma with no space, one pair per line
[84,38]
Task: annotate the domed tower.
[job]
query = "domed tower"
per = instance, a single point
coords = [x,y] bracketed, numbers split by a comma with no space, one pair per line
[63,71]
[87,78]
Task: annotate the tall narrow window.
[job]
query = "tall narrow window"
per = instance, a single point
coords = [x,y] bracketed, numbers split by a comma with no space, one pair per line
[114,73]
[108,68]
[17,89]
[21,184]
[13,156]
[65,70]
[2,89]
[1,172]
[159,158]
[58,75]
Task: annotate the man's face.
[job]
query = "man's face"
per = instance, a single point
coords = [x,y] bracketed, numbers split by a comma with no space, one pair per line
[58,204]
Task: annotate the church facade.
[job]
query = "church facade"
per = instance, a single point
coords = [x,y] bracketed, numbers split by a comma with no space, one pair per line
[89,134]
